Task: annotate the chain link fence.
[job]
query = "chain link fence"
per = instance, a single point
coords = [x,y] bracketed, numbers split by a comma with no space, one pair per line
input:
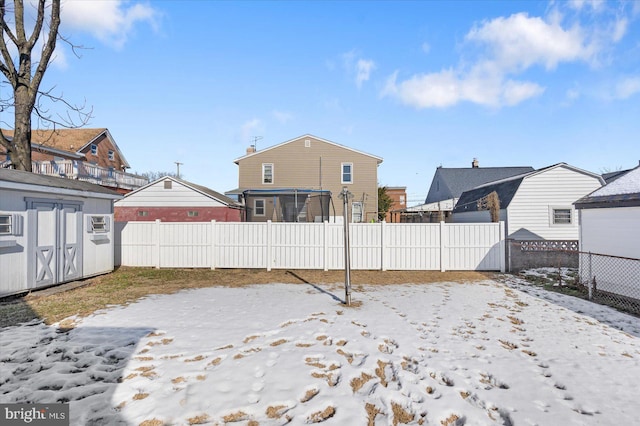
[611,280]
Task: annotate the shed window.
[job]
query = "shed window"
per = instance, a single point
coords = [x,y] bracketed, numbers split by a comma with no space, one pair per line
[192,213]
[94,149]
[347,172]
[267,173]
[143,213]
[98,224]
[5,224]
[562,216]
[258,207]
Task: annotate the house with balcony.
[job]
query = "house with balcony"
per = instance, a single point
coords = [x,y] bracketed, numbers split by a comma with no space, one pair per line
[301,180]
[89,155]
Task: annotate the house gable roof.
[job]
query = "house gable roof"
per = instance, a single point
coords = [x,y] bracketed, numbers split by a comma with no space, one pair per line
[624,191]
[459,180]
[17,179]
[207,192]
[237,160]
[68,140]
[506,188]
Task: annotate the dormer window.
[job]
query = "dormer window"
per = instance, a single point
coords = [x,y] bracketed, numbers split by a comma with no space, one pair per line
[94,149]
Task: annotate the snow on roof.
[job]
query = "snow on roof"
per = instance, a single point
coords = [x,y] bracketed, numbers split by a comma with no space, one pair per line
[626,184]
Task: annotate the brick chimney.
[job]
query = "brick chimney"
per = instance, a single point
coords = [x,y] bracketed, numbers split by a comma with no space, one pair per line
[475,163]
[251,149]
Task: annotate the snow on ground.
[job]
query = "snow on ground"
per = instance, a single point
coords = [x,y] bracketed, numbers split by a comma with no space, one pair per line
[482,353]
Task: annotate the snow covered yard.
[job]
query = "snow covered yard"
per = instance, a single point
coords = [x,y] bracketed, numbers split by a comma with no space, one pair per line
[437,354]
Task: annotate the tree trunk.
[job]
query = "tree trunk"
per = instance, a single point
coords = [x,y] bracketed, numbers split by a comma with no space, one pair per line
[21,157]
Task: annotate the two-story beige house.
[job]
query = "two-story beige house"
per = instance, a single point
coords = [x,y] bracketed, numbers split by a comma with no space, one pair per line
[300,180]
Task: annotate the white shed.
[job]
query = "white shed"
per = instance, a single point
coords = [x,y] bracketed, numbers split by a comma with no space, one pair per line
[610,218]
[52,230]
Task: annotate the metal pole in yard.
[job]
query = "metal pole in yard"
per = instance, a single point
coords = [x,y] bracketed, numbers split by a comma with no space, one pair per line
[347,259]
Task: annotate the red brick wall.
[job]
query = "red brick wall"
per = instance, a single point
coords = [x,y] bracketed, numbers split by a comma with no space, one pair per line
[395,194]
[178,214]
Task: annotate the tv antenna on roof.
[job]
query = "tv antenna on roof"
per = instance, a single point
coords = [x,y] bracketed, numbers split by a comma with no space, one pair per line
[255,142]
[178,164]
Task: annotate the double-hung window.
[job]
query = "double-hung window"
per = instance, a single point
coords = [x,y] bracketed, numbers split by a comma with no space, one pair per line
[5,224]
[347,173]
[94,149]
[267,172]
[258,207]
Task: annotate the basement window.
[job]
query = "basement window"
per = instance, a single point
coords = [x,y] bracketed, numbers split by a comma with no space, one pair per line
[143,213]
[192,213]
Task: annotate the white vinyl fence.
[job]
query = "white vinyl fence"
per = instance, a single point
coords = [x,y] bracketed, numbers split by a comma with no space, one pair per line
[374,246]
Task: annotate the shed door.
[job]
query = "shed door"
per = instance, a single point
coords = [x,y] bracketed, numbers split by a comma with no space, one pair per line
[57,243]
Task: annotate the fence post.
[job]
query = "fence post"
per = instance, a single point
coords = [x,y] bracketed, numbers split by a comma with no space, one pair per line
[443,266]
[269,256]
[590,279]
[502,248]
[213,244]
[157,244]
[383,227]
[325,248]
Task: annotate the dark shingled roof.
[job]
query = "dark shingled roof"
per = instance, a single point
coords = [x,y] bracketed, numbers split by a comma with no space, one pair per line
[627,183]
[505,189]
[458,180]
[18,176]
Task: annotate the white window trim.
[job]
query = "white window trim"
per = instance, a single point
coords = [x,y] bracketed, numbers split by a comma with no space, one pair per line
[342,173]
[8,224]
[255,207]
[264,166]
[98,224]
[552,209]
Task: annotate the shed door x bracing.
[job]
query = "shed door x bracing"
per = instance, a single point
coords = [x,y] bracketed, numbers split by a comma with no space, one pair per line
[56,241]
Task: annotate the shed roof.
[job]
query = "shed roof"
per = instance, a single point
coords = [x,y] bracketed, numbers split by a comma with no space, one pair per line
[621,192]
[17,179]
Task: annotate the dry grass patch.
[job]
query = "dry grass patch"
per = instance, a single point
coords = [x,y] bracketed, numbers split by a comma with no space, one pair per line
[276,411]
[152,422]
[278,342]
[144,358]
[196,359]
[321,416]
[451,420]
[309,394]
[372,412]
[250,338]
[198,420]
[381,374]
[229,346]
[304,345]
[177,380]
[235,417]
[139,396]
[508,345]
[358,382]
[400,415]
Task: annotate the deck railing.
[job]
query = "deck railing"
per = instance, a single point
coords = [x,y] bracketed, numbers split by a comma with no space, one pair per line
[80,170]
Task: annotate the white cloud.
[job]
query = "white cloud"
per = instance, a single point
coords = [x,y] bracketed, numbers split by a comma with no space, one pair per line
[281,116]
[627,87]
[619,29]
[355,65]
[110,21]
[363,71]
[447,88]
[426,47]
[519,41]
[595,5]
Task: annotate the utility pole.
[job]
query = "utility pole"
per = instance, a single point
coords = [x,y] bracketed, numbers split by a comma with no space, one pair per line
[178,164]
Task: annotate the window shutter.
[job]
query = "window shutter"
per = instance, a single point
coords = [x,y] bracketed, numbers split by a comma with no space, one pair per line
[89,224]
[107,223]
[17,224]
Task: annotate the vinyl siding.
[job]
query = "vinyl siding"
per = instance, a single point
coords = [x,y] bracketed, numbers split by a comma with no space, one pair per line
[530,210]
[178,196]
[612,231]
[318,166]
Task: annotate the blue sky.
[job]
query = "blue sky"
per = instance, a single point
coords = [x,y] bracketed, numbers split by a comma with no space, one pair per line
[418,83]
